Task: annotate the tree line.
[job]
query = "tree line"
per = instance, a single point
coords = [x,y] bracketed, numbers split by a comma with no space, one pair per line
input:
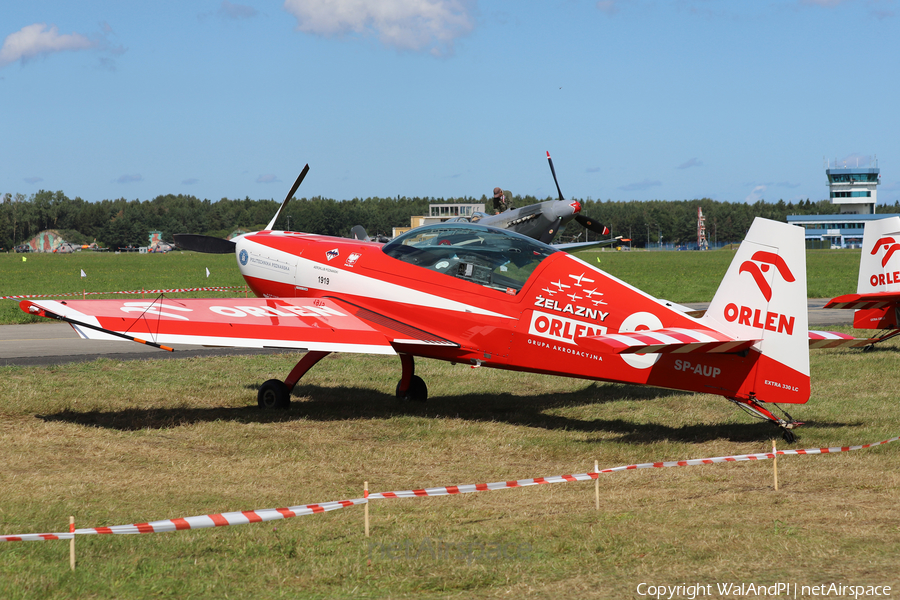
[120,223]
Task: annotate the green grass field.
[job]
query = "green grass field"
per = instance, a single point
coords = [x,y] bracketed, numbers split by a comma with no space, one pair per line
[124,442]
[676,276]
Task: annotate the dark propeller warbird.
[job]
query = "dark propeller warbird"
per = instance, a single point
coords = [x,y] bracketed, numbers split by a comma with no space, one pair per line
[542,221]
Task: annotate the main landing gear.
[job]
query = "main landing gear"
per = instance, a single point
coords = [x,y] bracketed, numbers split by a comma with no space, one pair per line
[275,394]
[754,408]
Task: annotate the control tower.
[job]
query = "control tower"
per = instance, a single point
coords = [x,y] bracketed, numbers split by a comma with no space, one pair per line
[853,188]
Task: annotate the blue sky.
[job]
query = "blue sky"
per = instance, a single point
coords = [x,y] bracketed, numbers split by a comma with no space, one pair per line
[635,100]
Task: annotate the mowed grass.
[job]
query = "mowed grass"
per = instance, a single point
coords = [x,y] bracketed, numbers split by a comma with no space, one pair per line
[695,276]
[676,276]
[109,272]
[125,442]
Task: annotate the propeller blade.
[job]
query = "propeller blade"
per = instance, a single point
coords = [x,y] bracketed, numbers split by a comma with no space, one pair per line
[548,235]
[288,197]
[552,170]
[358,232]
[204,243]
[592,225]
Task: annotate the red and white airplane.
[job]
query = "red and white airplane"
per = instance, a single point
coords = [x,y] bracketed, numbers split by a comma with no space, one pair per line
[877,297]
[487,297]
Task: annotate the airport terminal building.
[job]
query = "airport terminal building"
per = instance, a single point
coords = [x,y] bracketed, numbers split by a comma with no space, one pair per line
[854,190]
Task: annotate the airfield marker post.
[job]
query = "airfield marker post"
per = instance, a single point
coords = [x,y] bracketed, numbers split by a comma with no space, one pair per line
[597,485]
[775,465]
[366,507]
[72,543]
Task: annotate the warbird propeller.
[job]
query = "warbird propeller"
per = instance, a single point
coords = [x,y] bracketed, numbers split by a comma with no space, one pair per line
[488,297]
[544,220]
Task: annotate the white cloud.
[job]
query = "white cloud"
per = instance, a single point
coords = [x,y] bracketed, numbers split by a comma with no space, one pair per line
[607,6]
[39,40]
[268,178]
[129,178]
[756,195]
[641,185]
[694,162]
[236,11]
[418,25]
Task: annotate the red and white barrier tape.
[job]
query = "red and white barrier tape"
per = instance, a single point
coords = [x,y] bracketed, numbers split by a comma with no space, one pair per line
[271,514]
[132,292]
[198,522]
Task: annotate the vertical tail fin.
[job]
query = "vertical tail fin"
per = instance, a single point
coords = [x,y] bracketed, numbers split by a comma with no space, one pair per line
[880,260]
[763,296]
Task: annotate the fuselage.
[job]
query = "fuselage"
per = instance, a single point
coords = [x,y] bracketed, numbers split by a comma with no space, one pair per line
[521,307]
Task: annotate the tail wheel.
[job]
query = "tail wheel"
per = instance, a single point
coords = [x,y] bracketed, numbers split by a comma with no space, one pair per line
[417,392]
[273,394]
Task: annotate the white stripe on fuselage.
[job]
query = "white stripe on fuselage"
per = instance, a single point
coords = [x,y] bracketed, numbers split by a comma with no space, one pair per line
[304,272]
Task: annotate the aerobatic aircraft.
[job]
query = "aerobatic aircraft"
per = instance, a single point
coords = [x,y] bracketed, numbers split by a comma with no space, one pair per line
[877,297]
[487,297]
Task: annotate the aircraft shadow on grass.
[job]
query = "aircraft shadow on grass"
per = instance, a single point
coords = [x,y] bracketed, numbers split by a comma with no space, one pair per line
[344,403]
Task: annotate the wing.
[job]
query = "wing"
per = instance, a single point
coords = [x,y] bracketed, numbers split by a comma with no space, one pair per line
[864,301]
[302,324]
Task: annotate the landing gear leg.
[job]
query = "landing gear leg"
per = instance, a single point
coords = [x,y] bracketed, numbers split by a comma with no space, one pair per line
[276,394]
[787,425]
[411,387]
[886,335]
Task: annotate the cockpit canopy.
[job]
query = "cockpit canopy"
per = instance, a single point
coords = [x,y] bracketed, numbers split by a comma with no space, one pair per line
[495,258]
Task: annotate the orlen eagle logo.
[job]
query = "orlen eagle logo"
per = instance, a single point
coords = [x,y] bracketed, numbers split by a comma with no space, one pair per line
[890,246]
[756,318]
[766,260]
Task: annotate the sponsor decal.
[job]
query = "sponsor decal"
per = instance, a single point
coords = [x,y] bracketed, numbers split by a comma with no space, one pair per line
[351,260]
[271,264]
[561,329]
[884,279]
[564,349]
[759,264]
[242,257]
[577,311]
[755,317]
[889,246]
[281,311]
[331,254]
[704,370]
[154,308]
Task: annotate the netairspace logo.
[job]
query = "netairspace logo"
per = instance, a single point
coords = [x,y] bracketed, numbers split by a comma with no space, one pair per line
[441,550]
[754,590]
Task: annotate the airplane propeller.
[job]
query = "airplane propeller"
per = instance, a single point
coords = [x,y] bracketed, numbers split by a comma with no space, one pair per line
[209,244]
[586,222]
[592,225]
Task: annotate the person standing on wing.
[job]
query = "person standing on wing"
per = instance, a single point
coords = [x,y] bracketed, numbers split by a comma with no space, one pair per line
[502,200]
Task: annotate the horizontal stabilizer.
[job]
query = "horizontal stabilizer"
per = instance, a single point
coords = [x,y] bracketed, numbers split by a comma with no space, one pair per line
[865,301]
[835,339]
[673,340]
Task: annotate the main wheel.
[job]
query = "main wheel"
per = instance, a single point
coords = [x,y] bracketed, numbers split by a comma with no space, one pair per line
[273,394]
[788,436]
[417,392]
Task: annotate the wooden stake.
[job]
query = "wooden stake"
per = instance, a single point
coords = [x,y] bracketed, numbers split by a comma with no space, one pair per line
[775,465]
[597,485]
[366,507]
[72,543]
